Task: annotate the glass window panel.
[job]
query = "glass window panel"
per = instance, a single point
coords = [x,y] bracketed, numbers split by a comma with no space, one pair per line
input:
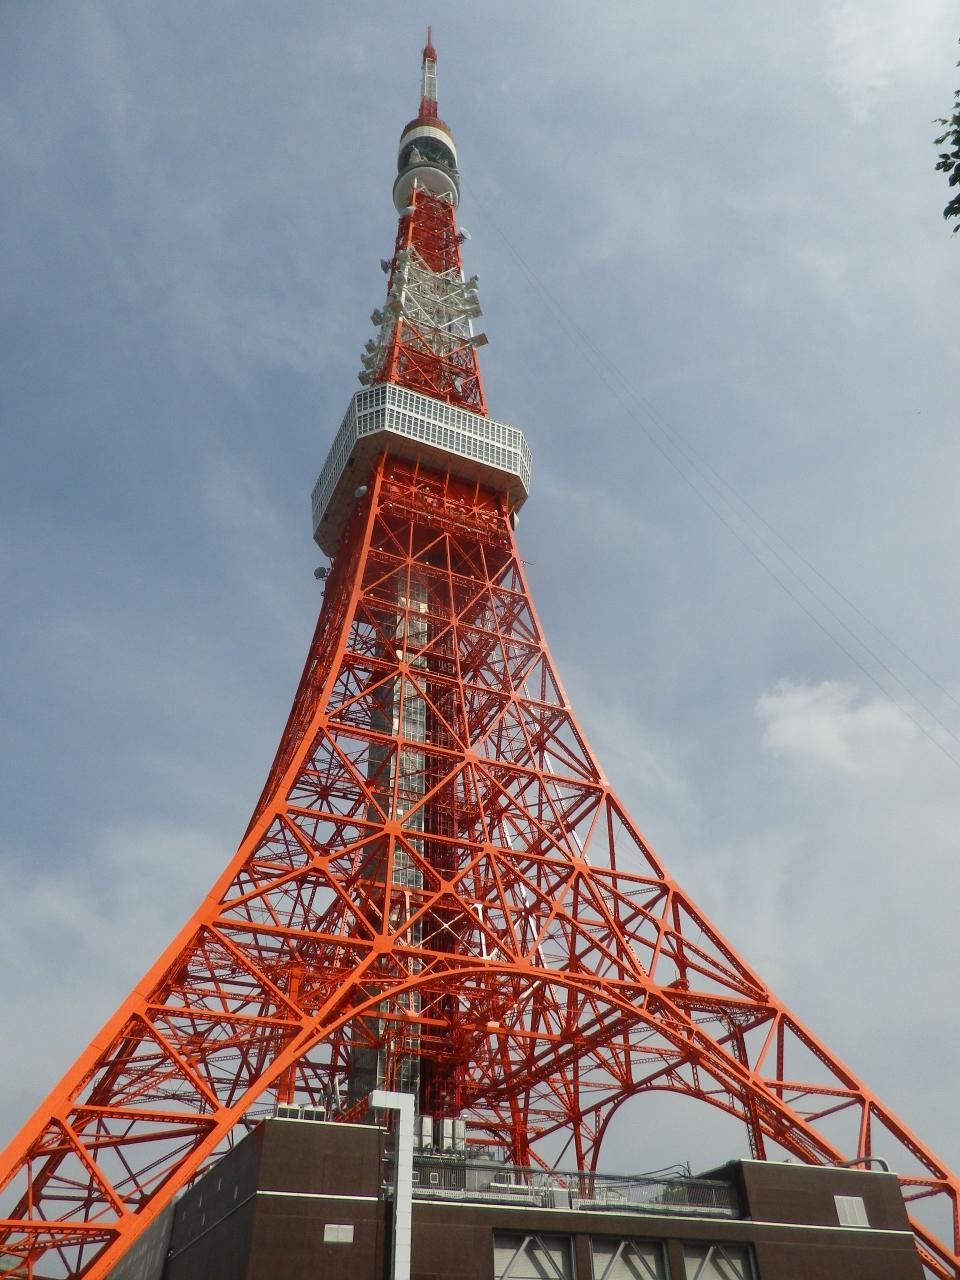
[717,1262]
[532,1257]
[628,1260]
[851,1211]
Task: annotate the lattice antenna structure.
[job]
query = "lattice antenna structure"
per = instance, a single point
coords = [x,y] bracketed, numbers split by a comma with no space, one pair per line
[425,337]
[438,891]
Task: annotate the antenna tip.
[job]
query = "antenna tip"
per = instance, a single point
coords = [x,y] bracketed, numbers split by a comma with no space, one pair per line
[428,50]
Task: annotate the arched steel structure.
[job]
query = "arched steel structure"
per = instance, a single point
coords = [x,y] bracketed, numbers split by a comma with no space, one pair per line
[438,891]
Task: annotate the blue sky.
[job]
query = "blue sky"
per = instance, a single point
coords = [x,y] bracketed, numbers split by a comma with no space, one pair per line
[721,224]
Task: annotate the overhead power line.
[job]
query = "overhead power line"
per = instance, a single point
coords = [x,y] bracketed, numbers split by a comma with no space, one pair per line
[716,492]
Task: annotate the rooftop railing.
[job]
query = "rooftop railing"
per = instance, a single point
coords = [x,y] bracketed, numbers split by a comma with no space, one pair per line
[487,1182]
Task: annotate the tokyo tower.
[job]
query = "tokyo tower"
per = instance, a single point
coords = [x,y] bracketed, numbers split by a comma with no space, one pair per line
[439,892]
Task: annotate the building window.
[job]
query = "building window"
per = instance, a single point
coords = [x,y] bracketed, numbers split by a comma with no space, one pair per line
[717,1262]
[851,1211]
[532,1257]
[337,1233]
[628,1260]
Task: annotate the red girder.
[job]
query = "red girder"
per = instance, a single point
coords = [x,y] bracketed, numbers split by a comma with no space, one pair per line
[412,359]
[474,896]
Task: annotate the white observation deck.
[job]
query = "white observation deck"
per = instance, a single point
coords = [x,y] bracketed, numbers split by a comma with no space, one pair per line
[389,419]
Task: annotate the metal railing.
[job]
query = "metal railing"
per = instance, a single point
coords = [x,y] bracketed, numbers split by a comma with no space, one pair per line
[451,1177]
[496,449]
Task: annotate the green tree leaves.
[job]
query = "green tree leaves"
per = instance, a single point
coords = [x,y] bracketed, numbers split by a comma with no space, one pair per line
[949,161]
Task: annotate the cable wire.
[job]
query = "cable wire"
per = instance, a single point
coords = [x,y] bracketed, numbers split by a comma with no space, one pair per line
[603,366]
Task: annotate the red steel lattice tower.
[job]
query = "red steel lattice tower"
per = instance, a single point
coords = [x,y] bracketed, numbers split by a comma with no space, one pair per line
[438,891]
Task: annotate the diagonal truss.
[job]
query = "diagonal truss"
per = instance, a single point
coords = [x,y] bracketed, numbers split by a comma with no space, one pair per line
[426,339]
[438,889]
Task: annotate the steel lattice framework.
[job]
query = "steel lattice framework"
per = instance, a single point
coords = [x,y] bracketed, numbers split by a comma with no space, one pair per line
[438,891]
[425,339]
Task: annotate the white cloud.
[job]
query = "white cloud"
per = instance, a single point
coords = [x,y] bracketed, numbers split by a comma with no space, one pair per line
[209,202]
[872,43]
[866,921]
[86,929]
[827,724]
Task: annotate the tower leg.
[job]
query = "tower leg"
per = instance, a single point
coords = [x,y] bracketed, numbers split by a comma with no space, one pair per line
[438,882]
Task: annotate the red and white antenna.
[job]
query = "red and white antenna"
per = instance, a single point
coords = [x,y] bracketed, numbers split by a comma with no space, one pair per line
[425,339]
[427,155]
[438,892]
[428,80]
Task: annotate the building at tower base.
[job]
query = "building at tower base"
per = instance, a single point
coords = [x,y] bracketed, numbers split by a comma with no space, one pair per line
[440,896]
[311,1200]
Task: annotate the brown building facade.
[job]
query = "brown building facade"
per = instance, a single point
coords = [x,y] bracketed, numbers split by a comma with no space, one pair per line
[305,1200]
